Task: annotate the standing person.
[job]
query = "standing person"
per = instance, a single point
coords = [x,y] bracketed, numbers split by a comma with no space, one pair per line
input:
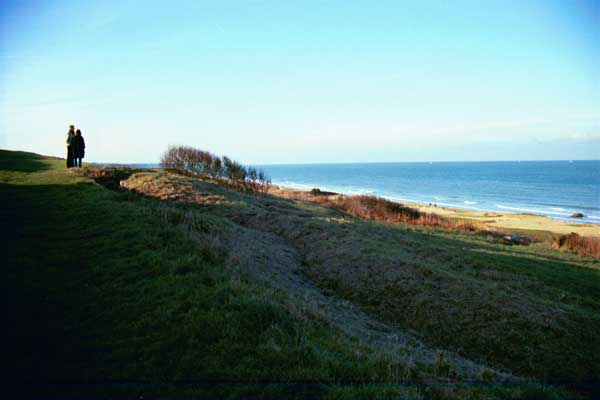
[78,148]
[70,137]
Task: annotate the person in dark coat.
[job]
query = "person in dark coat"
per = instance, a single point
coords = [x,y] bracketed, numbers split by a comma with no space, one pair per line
[78,148]
[70,137]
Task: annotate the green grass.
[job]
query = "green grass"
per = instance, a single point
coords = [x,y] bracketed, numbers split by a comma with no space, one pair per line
[101,289]
[110,294]
[528,309]
[531,310]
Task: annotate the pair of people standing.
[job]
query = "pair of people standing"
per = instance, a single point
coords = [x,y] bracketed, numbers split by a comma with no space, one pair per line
[75,147]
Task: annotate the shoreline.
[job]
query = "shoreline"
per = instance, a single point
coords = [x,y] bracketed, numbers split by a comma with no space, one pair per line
[492,219]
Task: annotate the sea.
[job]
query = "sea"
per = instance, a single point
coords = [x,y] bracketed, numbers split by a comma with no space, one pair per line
[556,189]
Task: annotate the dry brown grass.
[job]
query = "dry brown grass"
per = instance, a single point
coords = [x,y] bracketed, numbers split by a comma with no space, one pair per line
[379,209]
[166,186]
[584,245]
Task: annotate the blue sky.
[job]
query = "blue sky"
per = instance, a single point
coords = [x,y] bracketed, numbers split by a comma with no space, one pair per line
[303,81]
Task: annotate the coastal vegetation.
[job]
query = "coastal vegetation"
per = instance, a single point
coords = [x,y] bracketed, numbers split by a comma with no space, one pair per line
[380,209]
[154,283]
[199,163]
[589,246]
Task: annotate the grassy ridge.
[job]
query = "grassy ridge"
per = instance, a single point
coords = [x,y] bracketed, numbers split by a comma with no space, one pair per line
[107,286]
[529,309]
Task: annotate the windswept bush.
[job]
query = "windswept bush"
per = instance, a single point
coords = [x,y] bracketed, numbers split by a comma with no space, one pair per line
[587,246]
[192,161]
[199,163]
[234,171]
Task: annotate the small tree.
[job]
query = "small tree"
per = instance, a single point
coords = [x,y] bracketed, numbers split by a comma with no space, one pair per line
[216,168]
[264,181]
[173,158]
[228,168]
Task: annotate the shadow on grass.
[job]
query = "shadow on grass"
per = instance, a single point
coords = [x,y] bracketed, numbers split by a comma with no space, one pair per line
[37,245]
[21,161]
[109,177]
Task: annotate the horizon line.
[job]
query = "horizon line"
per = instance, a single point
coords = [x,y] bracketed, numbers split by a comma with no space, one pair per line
[374,162]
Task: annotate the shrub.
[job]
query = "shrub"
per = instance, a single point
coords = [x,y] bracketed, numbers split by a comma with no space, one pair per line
[376,208]
[216,168]
[234,171]
[264,181]
[589,246]
[371,207]
[190,161]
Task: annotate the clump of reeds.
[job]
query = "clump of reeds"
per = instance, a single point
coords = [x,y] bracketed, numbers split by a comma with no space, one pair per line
[584,245]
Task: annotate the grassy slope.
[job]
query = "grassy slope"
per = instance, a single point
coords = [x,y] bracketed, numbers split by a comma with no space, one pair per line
[106,286]
[532,310]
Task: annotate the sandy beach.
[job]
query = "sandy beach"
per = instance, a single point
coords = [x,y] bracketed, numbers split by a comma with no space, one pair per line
[515,221]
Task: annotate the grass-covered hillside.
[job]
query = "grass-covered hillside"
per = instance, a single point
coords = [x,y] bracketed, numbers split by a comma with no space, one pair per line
[123,283]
